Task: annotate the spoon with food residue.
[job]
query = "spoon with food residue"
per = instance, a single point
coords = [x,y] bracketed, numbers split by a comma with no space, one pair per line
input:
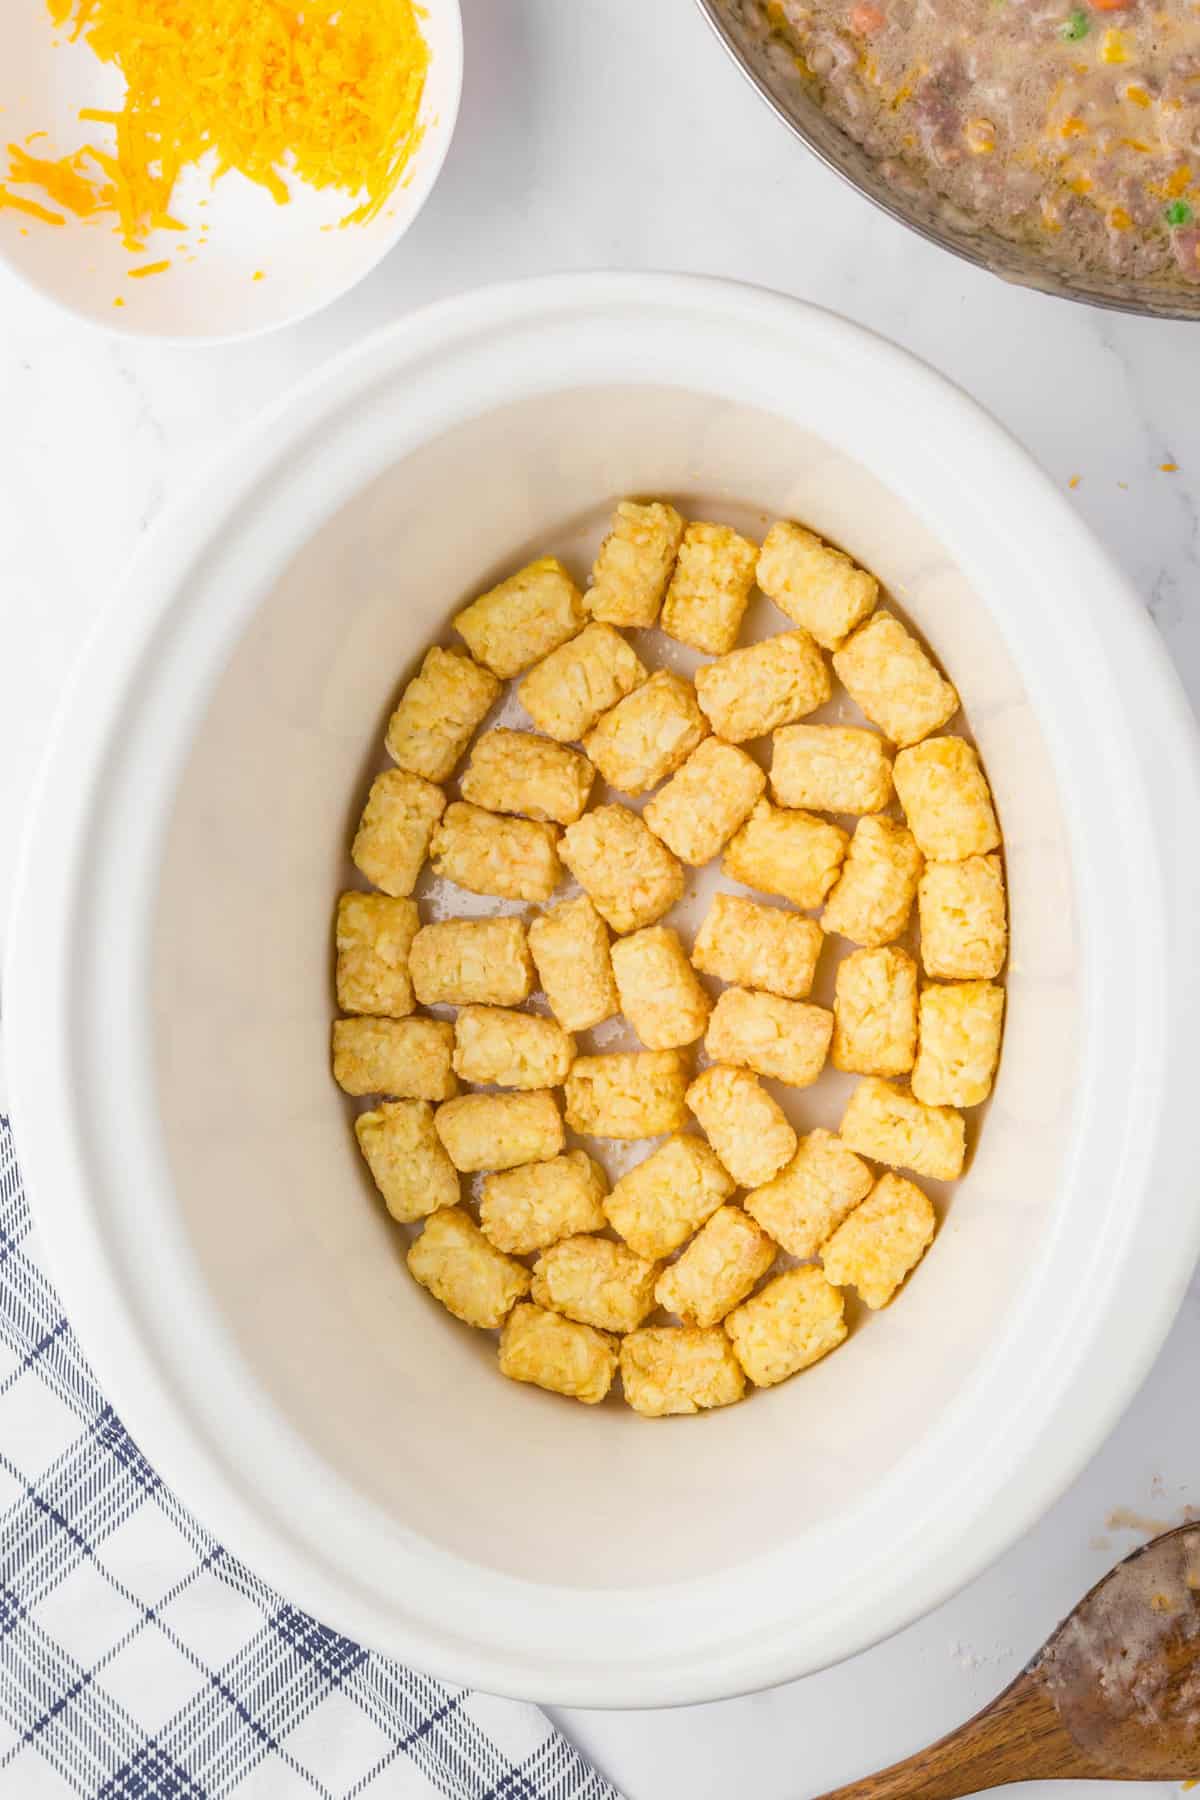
[1113,1696]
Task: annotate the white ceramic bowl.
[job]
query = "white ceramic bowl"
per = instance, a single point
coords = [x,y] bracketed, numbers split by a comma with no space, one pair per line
[83,266]
[168,1000]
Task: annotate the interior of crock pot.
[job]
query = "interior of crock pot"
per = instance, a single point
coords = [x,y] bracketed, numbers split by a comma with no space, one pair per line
[304,1266]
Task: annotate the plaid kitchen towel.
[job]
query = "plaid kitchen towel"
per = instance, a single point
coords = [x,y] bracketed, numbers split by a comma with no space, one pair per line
[138,1661]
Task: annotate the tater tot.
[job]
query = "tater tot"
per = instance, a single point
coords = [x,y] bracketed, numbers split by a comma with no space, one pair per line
[705,801]
[438,711]
[710,588]
[959,1042]
[891,1126]
[630,878]
[817,586]
[567,692]
[409,1059]
[558,1354]
[946,799]
[634,564]
[659,1203]
[793,854]
[395,831]
[533,1206]
[490,853]
[648,734]
[752,691]
[523,619]
[810,1197]
[374,937]
[595,1281]
[787,1326]
[747,1128]
[499,1131]
[627,1094]
[460,962]
[658,989]
[494,1046]
[406,1159]
[727,1256]
[830,768]
[757,946]
[679,1369]
[471,1278]
[882,1240]
[875,1013]
[874,894]
[894,682]
[786,1040]
[516,772]
[570,946]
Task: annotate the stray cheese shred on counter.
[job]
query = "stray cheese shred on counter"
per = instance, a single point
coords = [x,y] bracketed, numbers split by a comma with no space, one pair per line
[328,92]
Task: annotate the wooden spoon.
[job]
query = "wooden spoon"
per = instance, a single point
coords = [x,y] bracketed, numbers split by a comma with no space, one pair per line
[1113,1696]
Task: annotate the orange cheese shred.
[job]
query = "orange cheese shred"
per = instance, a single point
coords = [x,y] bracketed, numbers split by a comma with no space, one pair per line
[326,92]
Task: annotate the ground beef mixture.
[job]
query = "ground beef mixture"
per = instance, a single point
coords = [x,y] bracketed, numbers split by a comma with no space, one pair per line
[1073,125]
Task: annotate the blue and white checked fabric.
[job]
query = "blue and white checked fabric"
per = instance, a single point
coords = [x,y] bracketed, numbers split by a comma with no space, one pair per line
[139,1661]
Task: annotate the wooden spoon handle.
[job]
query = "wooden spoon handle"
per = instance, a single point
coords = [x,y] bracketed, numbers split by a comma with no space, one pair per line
[1019,1737]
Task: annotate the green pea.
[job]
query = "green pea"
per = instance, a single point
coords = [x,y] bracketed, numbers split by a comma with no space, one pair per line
[1178,213]
[1077,26]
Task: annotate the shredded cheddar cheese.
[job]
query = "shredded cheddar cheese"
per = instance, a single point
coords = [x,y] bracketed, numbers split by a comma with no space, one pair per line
[324,91]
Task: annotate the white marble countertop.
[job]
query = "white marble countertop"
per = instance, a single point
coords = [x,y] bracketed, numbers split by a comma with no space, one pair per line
[608,133]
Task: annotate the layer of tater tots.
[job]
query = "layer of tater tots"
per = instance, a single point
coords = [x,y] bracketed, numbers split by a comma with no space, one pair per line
[648,734]
[882,1240]
[875,1013]
[750,692]
[551,1352]
[634,563]
[758,946]
[437,712]
[809,1199]
[747,1128]
[793,854]
[962,913]
[460,962]
[406,1159]
[471,1278]
[530,1207]
[570,946]
[786,1040]
[679,1369]
[898,687]
[660,1202]
[596,1282]
[818,587]
[494,1046]
[726,1258]
[658,989]
[705,801]
[889,1125]
[830,768]
[631,879]
[627,1094]
[499,1131]
[874,894]
[788,1325]
[395,831]
[374,936]
[491,853]
[516,772]
[407,1059]
[710,588]
[959,1042]
[523,619]
[946,799]
[567,692]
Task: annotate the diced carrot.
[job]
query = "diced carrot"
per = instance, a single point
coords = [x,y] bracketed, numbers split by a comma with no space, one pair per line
[866,18]
[1111,5]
